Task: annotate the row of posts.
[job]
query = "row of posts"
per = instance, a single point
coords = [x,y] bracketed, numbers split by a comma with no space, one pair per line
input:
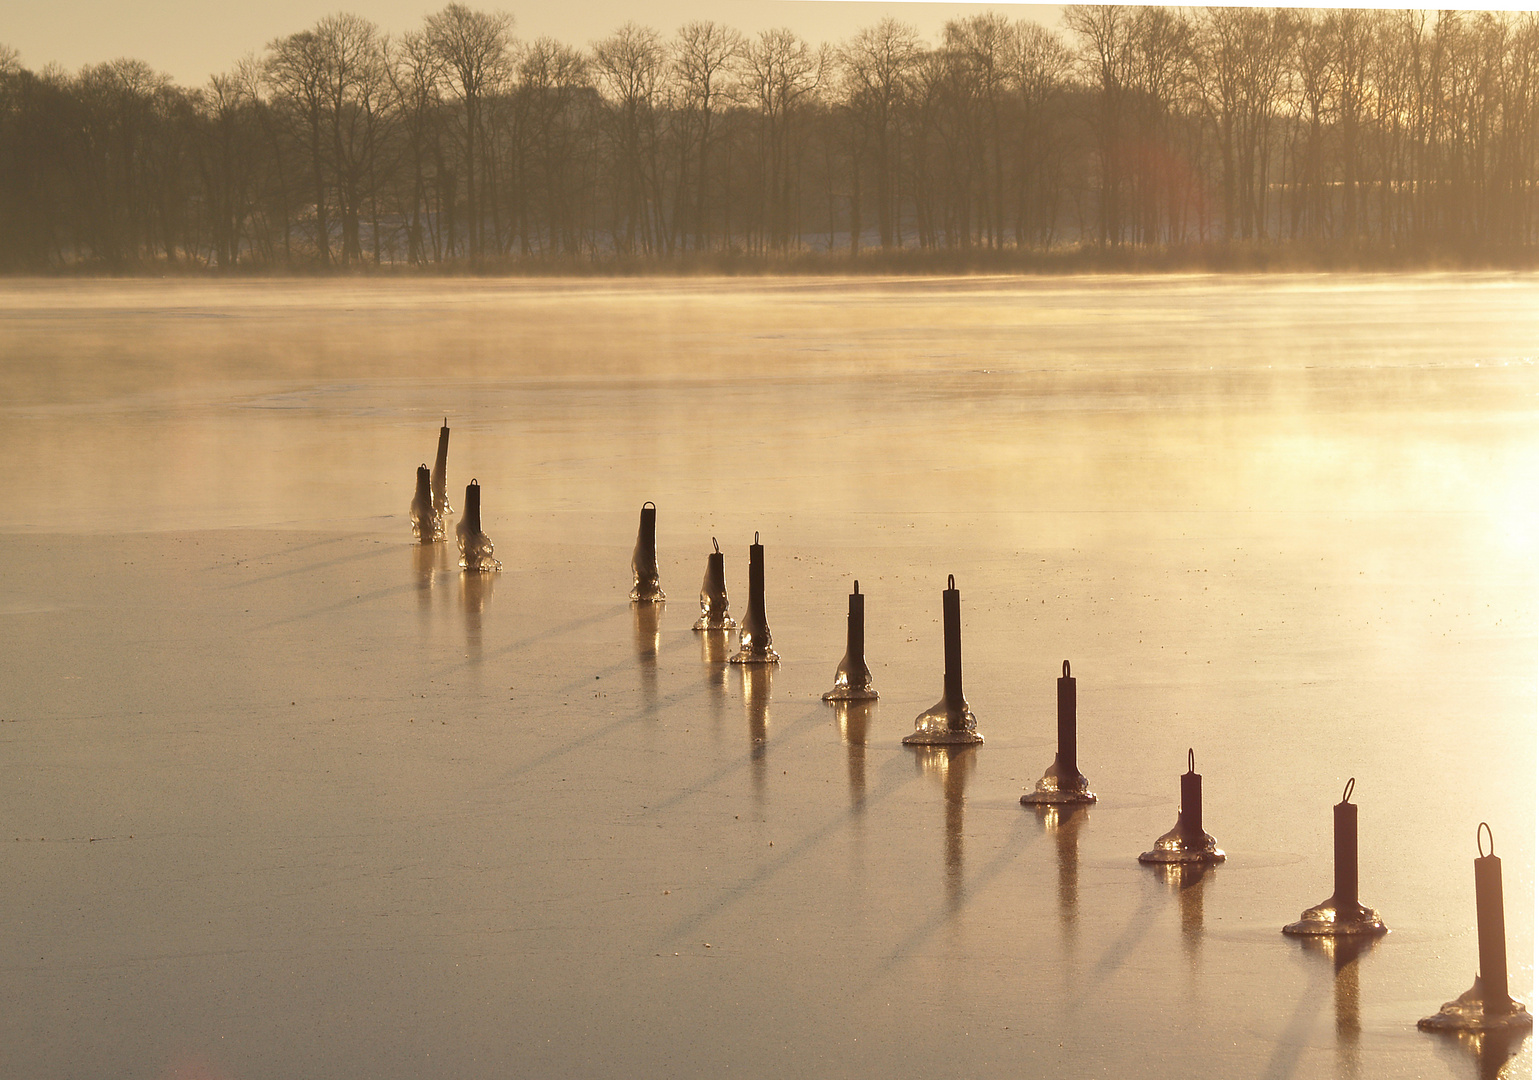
[1485,1007]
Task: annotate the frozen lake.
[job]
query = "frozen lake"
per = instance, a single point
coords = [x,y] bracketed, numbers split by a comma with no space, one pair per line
[291,796]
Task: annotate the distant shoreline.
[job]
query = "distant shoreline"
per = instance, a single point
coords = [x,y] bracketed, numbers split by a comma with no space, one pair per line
[1066,262]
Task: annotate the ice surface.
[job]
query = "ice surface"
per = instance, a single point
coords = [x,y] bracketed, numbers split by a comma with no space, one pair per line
[290,795]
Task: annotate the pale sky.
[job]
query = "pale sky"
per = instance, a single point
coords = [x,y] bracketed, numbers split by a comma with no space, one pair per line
[193,39]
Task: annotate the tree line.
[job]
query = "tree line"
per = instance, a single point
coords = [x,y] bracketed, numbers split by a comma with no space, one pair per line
[459,144]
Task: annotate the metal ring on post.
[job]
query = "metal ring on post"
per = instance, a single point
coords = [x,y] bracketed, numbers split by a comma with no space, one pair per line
[715,545]
[648,503]
[1489,836]
[857,588]
[1065,669]
[951,581]
[1346,792]
[1191,760]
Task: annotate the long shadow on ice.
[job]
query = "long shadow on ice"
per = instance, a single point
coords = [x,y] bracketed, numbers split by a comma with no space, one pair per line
[894,776]
[1122,947]
[960,889]
[356,601]
[373,551]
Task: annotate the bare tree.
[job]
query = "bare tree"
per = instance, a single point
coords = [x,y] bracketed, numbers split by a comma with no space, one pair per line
[1159,59]
[702,55]
[878,68]
[979,47]
[1309,212]
[1351,32]
[1038,73]
[1241,54]
[272,197]
[126,112]
[1104,58]
[356,82]
[630,65]
[782,73]
[415,73]
[553,82]
[296,73]
[229,145]
[474,49]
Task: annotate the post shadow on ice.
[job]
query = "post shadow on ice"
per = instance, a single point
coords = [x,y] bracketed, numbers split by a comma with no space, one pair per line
[1186,842]
[1341,915]
[755,645]
[758,682]
[430,561]
[1063,822]
[714,652]
[1491,1052]
[1063,784]
[1486,1007]
[1188,881]
[648,625]
[951,764]
[647,589]
[949,722]
[852,678]
[853,719]
[475,545]
[1343,954]
[476,597]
